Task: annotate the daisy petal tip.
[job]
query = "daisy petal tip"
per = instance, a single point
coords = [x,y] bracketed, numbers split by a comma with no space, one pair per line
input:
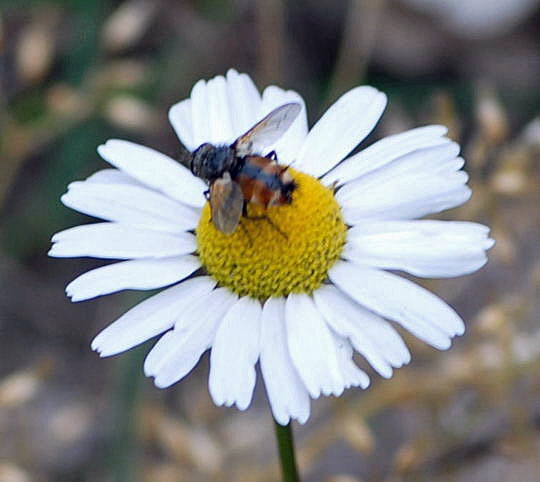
[362,90]
[439,128]
[242,405]
[314,392]
[171,114]
[94,344]
[105,149]
[378,98]
[102,346]
[200,84]
[74,298]
[217,398]
[64,198]
[74,185]
[98,348]
[382,99]
[105,352]
[443,345]
[75,294]
[281,418]
[337,391]
[302,419]
[149,369]
[55,237]
[102,150]
[288,414]
[53,251]
[365,383]
[163,383]
[406,360]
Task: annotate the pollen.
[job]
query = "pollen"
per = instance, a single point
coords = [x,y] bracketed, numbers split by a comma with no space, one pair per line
[279,250]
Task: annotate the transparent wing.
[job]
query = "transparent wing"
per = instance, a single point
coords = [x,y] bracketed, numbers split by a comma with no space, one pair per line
[268,130]
[226,202]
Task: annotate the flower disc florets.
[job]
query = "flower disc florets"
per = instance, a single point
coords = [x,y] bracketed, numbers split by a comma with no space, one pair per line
[279,250]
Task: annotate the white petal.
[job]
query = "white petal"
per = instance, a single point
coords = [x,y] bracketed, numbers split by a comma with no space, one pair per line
[435,160]
[312,347]
[223,108]
[155,170]
[179,350]
[344,125]
[138,274]
[370,335]
[422,182]
[385,151]
[244,102]
[234,354]
[410,197]
[286,393]
[112,176]
[289,144]
[180,118]
[211,116]
[150,317]
[352,375]
[422,248]
[199,113]
[130,204]
[112,240]
[219,114]
[416,309]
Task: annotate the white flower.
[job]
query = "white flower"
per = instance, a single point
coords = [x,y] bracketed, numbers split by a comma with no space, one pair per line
[480,18]
[304,335]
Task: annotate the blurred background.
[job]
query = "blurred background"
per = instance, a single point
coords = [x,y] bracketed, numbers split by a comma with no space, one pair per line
[75,73]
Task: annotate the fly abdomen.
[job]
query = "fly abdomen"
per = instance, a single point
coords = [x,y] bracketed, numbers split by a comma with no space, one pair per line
[264,182]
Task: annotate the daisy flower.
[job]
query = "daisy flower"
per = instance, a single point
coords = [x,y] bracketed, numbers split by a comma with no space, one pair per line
[298,291]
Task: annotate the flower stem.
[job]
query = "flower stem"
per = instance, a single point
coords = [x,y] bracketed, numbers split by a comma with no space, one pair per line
[287,458]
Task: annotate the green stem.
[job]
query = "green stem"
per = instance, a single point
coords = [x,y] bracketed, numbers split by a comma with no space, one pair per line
[287,458]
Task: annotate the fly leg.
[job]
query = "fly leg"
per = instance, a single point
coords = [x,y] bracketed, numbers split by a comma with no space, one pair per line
[241,224]
[272,155]
[265,217]
[275,226]
[246,231]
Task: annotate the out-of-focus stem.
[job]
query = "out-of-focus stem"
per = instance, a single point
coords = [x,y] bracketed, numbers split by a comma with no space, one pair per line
[357,44]
[271,40]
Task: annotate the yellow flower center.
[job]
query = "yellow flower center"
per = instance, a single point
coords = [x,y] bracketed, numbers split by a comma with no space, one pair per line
[279,250]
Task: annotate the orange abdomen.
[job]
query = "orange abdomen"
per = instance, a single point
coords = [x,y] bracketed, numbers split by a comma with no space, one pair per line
[264,182]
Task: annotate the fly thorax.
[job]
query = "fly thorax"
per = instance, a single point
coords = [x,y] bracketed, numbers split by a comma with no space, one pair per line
[210,162]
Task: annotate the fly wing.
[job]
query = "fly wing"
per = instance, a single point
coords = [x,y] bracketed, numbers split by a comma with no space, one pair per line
[268,130]
[226,202]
